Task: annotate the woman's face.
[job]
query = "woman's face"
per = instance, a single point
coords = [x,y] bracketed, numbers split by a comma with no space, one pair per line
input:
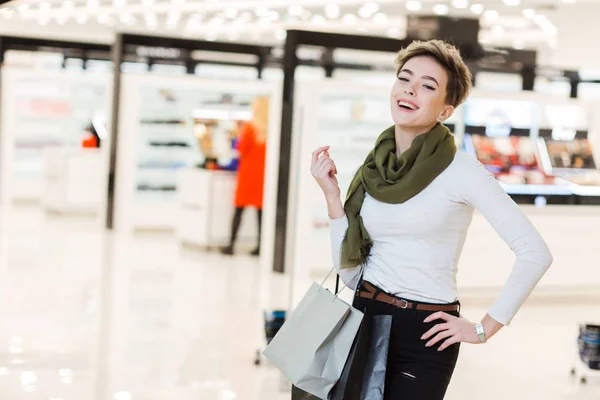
[418,96]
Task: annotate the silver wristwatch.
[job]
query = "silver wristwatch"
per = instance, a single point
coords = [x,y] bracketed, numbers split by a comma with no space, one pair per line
[480,332]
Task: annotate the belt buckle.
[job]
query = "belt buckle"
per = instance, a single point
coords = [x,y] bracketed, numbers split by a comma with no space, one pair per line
[401,303]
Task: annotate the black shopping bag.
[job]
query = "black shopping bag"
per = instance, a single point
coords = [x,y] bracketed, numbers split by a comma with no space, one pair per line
[363,377]
[299,394]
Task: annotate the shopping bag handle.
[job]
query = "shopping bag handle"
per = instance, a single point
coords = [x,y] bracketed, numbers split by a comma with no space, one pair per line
[337,280]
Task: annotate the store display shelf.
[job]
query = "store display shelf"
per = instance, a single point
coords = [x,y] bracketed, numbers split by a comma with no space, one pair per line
[175,145]
[150,188]
[158,165]
[541,190]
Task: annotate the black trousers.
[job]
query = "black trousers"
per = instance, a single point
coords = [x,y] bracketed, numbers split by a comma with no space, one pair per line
[237,220]
[414,372]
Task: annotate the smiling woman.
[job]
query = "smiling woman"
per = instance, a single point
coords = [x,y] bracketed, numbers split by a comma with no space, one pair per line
[432,81]
[404,224]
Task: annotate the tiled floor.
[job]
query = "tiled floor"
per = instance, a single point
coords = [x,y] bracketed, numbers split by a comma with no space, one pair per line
[89,315]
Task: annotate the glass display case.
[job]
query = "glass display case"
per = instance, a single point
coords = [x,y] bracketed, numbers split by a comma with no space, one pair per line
[51,113]
[565,149]
[42,111]
[501,133]
[167,123]
[183,127]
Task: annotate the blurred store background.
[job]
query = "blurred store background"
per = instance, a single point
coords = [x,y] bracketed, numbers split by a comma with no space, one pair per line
[124,124]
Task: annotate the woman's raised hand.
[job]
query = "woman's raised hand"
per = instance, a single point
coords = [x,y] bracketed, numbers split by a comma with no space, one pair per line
[324,171]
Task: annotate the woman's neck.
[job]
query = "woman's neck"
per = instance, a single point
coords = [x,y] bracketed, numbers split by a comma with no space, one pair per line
[405,137]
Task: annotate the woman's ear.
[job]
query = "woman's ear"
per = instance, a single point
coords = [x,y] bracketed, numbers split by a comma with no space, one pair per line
[446,113]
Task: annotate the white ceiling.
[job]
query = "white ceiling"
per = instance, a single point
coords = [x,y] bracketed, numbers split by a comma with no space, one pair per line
[262,21]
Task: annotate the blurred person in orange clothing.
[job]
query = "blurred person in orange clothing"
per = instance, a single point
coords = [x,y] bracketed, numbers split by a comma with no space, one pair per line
[251,173]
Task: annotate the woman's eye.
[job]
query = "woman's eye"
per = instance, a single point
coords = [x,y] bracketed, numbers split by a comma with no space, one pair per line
[428,87]
[403,79]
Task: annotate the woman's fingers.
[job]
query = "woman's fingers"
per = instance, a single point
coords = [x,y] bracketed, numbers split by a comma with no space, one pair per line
[317,153]
[321,162]
[438,337]
[325,168]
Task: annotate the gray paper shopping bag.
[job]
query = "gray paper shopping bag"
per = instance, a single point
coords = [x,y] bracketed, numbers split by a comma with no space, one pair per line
[312,346]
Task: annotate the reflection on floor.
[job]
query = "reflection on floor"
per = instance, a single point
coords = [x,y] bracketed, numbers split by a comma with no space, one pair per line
[91,315]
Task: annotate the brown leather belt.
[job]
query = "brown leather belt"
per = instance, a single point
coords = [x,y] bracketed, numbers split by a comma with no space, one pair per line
[401,303]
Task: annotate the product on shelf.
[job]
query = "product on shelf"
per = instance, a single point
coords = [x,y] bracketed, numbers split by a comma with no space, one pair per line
[51,113]
[511,159]
[572,160]
[184,127]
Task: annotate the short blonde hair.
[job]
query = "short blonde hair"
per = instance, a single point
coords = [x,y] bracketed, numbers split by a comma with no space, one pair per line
[459,77]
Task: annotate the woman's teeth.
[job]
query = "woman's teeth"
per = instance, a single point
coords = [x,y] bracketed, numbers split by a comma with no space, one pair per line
[407,105]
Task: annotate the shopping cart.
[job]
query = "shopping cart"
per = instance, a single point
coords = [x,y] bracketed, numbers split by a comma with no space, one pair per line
[273,322]
[588,362]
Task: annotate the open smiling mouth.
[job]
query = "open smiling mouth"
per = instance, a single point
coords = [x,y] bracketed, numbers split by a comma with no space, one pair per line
[407,106]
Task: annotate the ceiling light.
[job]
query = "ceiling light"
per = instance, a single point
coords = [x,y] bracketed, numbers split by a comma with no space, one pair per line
[319,20]
[550,29]
[295,10]
[216,21]
[231,13]
[123,396]
[102,18]
[569,1]
[81,19]
[261,11]
[4,371]
[477,9]
[124,18]
[28,378]
[93,3]
[174,16]
[519,44]
[380,18]
[8,13]
[280,34]
[151,21]
[43,21]
[178,1]
[498,30]
[68,5]
[364,13]
[119,3]
[332,11]
[349,19]
[540,19]
[414,5]
[460,3]
[368,9]
[233,35]
[440,9]
[147,2]
[211,37]
[273,16]
[529,13]
[393,32]
[62,19]
[491,15]
[24,8]
[245,16]
[512,3]
[46,5]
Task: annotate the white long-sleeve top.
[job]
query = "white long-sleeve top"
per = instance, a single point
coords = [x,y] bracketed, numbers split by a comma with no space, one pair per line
[417,244]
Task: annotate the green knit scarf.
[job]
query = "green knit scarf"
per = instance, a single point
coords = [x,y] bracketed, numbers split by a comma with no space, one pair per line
[393,180]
